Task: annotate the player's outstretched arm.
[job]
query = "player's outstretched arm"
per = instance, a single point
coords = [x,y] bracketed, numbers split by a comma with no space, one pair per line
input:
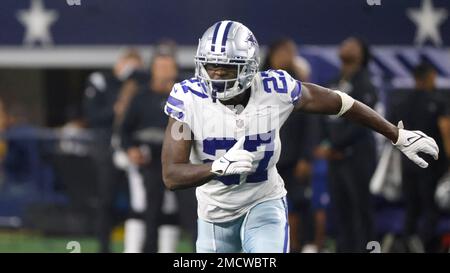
[178,173]
[317,99]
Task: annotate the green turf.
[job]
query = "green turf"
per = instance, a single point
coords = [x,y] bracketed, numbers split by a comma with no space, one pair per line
[32,242]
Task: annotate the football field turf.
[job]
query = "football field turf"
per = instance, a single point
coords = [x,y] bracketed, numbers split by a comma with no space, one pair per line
[23,241]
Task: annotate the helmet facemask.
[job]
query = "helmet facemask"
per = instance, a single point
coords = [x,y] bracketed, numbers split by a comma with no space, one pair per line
[224,89]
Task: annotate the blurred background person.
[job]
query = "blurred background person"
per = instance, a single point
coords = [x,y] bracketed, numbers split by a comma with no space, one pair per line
[424,109]
[297,139]
[320,197]
[141,135]
[283,54]
[3,146]
[351,152]
[100,96]
[73,134]
[134,228]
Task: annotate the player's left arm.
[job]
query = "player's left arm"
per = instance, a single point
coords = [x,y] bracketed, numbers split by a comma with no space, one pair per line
[317,99]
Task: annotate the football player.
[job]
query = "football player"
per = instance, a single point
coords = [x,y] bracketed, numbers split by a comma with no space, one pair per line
[223,138]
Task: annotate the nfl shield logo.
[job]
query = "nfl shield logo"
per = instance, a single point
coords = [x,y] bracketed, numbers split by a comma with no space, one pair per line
[239,123]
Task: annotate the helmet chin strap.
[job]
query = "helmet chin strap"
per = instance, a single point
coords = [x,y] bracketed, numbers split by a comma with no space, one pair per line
[214,93]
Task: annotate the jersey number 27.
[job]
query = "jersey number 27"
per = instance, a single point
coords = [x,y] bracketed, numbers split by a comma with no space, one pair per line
[251,144]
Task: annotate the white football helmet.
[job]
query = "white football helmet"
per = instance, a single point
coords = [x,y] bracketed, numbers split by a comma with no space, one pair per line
[229,43]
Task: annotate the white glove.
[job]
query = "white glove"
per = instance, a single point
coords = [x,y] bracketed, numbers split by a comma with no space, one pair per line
[412,142]
[235,161]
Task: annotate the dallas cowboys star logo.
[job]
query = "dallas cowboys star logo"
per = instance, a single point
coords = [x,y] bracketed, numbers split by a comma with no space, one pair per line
[427,20]
[252,39]
[37,21]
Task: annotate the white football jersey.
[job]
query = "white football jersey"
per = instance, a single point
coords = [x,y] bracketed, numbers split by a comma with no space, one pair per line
[216,128]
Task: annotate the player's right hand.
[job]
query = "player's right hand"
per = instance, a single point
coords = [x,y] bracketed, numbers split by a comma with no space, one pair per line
[235,161]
